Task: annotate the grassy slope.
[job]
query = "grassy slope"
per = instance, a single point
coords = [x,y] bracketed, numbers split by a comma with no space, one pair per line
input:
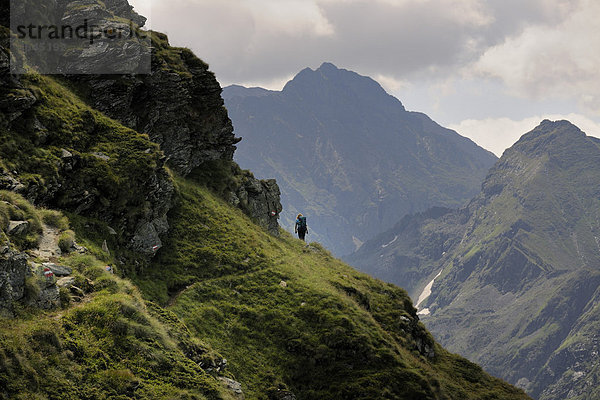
[111,344]
[354,337]
[331,332]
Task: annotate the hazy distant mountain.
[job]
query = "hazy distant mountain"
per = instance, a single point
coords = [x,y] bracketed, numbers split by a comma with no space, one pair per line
[349,155]
[519,289]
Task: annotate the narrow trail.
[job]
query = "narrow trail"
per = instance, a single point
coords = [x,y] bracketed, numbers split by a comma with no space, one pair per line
[48,247]
[48,251]
[60,313]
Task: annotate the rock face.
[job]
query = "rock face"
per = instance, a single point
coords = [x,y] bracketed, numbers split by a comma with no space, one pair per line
[13,271]
[519,285]
[232,386]
[260,199]
[178,105]
[181,110]
[17,227]
[120,50]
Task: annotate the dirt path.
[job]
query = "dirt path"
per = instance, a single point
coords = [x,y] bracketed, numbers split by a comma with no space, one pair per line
[48,244]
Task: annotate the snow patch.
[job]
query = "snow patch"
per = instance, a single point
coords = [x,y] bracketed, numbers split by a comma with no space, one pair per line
[383,246]
[424,295]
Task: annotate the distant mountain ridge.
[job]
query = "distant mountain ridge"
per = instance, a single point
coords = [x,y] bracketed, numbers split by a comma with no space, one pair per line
[349,155]
[519,288]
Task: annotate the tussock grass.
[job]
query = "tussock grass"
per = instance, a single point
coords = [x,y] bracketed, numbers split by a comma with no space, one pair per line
[327,332]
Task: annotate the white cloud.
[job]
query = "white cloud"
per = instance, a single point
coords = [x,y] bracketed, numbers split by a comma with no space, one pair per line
[293,17]
[454,59]
[498,134]
[391,84]
[559,60]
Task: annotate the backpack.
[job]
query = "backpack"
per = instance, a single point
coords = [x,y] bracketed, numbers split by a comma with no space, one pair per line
[302,223]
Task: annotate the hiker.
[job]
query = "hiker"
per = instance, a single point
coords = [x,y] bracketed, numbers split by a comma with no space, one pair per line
[301,228]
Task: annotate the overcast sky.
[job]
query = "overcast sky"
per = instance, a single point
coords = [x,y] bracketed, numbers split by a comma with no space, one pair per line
[491,70]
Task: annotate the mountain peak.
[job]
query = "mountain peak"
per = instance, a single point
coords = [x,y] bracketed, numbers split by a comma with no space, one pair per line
[549,137]
[330,82]
[328,67]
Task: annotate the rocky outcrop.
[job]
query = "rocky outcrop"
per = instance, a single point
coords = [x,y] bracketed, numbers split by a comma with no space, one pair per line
[8,182]
[281,394]
[179,107]
[260,199]
[13,271]
[17,227]
[14,98]
[235,388]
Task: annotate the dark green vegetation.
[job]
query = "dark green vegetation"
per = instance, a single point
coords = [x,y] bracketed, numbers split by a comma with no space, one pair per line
[520,280]
[101,173]
[328,332]
[113,346]
[290,316]
[349,156]
[287,317]
[109,343]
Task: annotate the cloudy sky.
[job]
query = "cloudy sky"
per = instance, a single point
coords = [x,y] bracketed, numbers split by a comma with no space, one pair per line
[490,69]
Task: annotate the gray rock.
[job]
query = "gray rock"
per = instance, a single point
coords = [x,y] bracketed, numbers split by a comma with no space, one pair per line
[17,227]
[58,270]
[101,156]
[260,200]
[282,395]
[13,271]
[65,154]
[105,247]
[146,239]
[48,298]
[8,182]
[77,291]
[234,387]
[169,99]
[65,282]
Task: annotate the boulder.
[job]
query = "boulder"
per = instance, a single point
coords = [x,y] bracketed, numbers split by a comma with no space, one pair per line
[282,394]
[48,298]
[16,228]
[65,154]
[58,270]
[8,182]
[234,387]
[66,282]
[260,200]
[13,271]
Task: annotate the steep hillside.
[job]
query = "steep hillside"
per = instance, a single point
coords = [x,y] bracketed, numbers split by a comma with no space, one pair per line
[349,156]
[292,317]
[149,266]
[519,282]
[224,277]
[291,321]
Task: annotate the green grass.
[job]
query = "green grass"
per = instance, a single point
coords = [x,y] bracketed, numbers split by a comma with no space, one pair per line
[113,344]
[13,207]
[329,332]
[283,314]
[117,184]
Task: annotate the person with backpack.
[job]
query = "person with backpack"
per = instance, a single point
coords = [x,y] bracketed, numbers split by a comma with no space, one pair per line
[301,228]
